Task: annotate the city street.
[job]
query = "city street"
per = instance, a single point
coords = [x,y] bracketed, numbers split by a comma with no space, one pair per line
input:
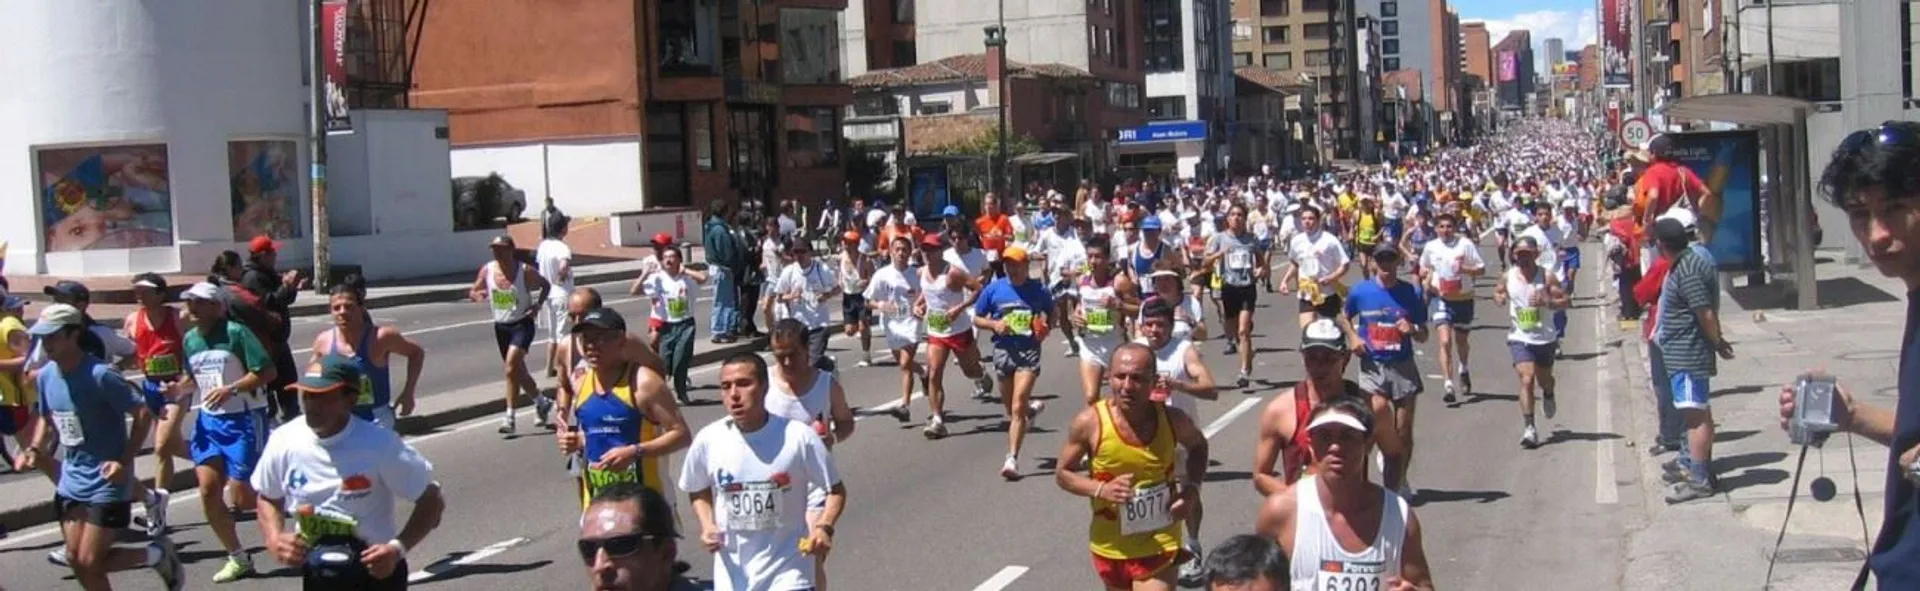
[935,515]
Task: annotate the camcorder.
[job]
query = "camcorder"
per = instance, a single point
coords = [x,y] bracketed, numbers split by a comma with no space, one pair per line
[1813,410]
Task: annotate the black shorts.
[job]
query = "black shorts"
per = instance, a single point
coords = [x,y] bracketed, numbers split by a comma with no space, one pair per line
[1328,308]
[1238,298]
[853,307]
[114,515]
[514,334]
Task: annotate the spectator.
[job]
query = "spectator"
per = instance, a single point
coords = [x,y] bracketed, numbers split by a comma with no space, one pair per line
[725,264]
[276,291]
[1689,337]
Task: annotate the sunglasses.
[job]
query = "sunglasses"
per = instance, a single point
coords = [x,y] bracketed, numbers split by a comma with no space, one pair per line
[615,546]
[1887,134]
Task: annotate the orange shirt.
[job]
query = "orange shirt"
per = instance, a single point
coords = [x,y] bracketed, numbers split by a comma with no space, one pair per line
[892,231]
[994,231]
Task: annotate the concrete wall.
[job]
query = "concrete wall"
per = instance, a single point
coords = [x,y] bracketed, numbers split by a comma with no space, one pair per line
[585,177]
[396,169]
[191,76]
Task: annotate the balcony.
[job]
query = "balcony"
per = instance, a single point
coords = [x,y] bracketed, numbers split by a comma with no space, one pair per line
[872,130]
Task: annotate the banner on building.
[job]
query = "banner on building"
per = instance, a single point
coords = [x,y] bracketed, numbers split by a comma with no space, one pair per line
[262,178]
[107,197]
[930,191]
[1616,43]
[333,41]
[1509,66]
[1729,163]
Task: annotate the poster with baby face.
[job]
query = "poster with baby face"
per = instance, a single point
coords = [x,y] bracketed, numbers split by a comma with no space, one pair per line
[264,190]
[105,197]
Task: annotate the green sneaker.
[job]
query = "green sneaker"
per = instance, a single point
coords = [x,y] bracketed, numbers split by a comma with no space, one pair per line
[234,570]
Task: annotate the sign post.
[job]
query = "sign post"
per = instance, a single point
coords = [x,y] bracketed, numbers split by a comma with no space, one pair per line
[1635,132]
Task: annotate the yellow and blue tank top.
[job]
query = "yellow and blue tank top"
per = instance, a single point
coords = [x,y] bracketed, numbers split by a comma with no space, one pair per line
[609,417]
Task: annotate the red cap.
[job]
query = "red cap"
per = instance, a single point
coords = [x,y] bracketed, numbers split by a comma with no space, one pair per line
[262,244]
[663,239]
[933,241]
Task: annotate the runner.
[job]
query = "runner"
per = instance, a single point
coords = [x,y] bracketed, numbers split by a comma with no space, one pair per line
[1133,443]
[892,292]
[946,302]
[1548,235]
[1248,562]
[86,405]
[1149,249]
[1334,536]
[1570,232]
[371,348]
[856,269]
[555,260]
[1016,309]
[1527,290]
[1189,320]
[757,466]
[805,286]
[629,540]
[623,430]
[804,394]
[1065,254]
[671,291]
[995,230]
[338,476]
[512,290]
[18,395]
[1384,316]
[1319,262]
[1242,261]
[228,366]
[1100,309]
[154,328]
[1184,376]
[1450,263]
[1284,439]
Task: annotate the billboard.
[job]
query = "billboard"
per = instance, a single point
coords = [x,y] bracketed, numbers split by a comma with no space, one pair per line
[105,197]
[1509,66]
[1729,163]
[263,189]
[333,41]
[1616,43]
[929,191]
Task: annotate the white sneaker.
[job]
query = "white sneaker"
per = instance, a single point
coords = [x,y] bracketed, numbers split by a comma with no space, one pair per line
[506,425]
[864,363]
[1010,469]
[58,556]
[1529,438]
[157,499]
[935,429]
[1034,407]
[1193,572]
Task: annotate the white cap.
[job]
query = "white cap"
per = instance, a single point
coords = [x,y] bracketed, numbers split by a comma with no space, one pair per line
[1337,418]
[1685,216]
[202,291]
[55,317]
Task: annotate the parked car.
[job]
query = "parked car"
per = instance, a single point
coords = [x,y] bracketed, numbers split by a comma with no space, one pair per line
[480,201]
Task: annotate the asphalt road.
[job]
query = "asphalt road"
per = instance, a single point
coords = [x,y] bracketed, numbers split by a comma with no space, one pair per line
[935,515]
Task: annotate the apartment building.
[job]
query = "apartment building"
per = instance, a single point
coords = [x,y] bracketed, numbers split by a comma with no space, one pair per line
[1314,38]
[1415,35]
[1476,62]
[1514,70]
[1189,87]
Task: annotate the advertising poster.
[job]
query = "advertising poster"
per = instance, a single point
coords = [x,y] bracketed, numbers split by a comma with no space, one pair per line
[1508,66]
[1729,163]
[333,40]
[1616,43]
[107,197]
[928,190]
[265,192]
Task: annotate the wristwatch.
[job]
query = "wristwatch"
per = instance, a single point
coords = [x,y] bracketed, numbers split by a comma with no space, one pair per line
[398,546]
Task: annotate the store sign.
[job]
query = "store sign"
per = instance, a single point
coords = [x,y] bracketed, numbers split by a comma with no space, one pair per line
[1163,132]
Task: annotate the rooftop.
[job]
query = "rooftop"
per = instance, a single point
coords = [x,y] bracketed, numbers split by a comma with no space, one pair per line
[959,68]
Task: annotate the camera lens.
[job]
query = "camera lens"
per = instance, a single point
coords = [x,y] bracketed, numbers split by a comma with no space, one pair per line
[1823,489]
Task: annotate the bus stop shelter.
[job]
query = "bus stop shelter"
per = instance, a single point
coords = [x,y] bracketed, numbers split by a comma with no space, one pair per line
[1786,199]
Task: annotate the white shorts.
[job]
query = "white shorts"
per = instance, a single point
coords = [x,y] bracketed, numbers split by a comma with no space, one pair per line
[1096,349]
[903,334]
[555,316]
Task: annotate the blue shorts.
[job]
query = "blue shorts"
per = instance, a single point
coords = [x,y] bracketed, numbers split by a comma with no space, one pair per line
[236,439]
[155,395]
[1541,356]
[1690,390]
[1570,258]
[1455,313]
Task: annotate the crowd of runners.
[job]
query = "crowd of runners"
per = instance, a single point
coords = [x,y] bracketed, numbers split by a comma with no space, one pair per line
[1136,284]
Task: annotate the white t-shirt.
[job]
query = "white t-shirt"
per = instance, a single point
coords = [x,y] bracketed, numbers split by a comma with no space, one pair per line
[1063,252]
[1317,254]
[550,254]
[891,285]
[875,217]
[760,482]
[1549,240]
[1448,262]
[358,472]
[974,261]
[810,282]
[672,296]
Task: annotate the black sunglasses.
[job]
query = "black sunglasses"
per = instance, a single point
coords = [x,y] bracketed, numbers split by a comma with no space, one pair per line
[615,546]
[1889,133]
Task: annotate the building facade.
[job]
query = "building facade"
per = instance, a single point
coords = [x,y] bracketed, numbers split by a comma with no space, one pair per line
[1189,81]
[1315,38]
[619,106]
[1514,70]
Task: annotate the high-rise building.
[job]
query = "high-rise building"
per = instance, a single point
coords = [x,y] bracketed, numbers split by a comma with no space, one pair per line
[1189,83]
[1419,35]
[1556,52]
[1514,71]
[1476,43]
[1311,37]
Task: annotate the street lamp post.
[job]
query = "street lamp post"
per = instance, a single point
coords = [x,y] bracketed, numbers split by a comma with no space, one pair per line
[997,39]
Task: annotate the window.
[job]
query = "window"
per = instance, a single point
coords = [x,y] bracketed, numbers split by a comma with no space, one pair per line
[689,40]
[1242,31]
[667,177]
[1282,60]
[1093,39]
[1390,47]
[700,124]
[903,12]
[875,105]
[1315,30]
[1278,35]
[1123,95]
[1389,9]
[1167,108]
[809,46]
[750,139]
[1318,58]
[813,137]
[905,53]
[1242,59]
[935,108]
[1276,7]
[1164,51]
[1391,63]
[1390,28]
[1316,5]
[1106,41]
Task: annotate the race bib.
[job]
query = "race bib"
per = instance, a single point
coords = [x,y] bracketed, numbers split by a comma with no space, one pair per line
[366,391]
[68,425]
[208,379]
[1337,575]
[1240,260]
[1020,322]
[1384,338]
[1100,320]
[1528,318]
[937,321]
[1150,510]
[754,506]
[677,308]
[1451,286]
[315,524]
[504,300]
[162,366]
[599,478]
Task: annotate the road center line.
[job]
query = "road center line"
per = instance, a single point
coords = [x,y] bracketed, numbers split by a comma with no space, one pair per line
[1218,424]
[445,565]
[1001,579]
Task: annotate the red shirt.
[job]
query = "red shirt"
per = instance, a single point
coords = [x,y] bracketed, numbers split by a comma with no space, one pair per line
[157,347]
[1661,186]
[1623,228]
[1647,292]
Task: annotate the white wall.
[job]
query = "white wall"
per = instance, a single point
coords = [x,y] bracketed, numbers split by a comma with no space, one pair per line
[192,75]
[587,178]
[397,171]
[853,40]
[1806,31]
[1038,31]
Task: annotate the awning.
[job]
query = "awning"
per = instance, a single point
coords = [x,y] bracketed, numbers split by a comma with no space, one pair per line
[1744,109]
[1043,158]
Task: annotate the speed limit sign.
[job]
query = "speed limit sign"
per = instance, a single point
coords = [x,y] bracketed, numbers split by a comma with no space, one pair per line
[1635,131]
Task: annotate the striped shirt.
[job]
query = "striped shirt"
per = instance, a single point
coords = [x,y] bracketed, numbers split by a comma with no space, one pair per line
[1691,284]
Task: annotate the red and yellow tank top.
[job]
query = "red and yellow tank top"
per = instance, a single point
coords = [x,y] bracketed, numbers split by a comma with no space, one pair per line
[157,346]
[1143,527]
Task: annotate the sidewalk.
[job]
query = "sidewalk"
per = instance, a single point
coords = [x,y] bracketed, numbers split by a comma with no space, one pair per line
[1725,542]
[596,260]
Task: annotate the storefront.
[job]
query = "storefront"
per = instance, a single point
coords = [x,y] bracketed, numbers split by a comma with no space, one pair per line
[1163,151]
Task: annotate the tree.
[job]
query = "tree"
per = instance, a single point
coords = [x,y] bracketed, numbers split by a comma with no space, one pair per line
[987,144]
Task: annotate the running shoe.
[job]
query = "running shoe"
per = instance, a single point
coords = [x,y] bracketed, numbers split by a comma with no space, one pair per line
[983,389]
[506,425]
[1448,397]
[168,567]
[1529,438]
[1547,404]
[542,407]
[1688,490]
[236,568]
[864,363]
[1193,572]
[936,428]
[58,556]
[1071,352]
[900,413]
[1243,381]
[157,499]
[1034,407]
[1233,347]
[1466,382]
[1010,469]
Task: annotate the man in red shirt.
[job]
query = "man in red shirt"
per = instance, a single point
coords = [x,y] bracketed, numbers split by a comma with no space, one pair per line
[1665,183]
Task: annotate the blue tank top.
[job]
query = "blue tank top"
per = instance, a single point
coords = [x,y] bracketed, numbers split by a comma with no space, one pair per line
[1143,266]
[608,418]
[376,381]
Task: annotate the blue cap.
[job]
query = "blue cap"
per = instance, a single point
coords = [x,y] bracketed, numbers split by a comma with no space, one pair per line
[1151,223]
[1043,224]
[952,211]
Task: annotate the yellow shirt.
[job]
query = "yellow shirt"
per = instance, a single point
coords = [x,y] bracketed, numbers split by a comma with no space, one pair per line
[15,390]
[598,412]
[1153,531]
[1368,229]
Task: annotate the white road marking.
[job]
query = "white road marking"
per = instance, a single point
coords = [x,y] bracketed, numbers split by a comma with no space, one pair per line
[438,568]
[1002,579]
[1605,490]
[1218,424]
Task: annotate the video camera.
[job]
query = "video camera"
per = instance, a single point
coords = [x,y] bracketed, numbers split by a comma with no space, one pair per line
[1813,410]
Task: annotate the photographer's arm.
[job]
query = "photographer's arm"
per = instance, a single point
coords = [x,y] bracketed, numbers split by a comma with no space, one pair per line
[1871,422]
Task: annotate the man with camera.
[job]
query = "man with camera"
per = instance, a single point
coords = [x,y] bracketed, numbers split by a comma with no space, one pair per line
[1874,177]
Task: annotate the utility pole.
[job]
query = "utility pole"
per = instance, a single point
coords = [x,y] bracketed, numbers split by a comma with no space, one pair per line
[998,38]
[1770,63]
[317,140]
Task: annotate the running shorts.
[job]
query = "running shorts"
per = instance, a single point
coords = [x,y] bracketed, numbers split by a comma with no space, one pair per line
[1455,313]
[1120,573]
[954,342]
[1238,298]
[110,515]
[235,438]
[1397,380]
[1006,361]
[1540,356]
[1691,391]
[514,334]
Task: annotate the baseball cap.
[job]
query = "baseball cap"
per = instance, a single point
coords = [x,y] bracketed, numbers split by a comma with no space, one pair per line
[262,244]
[202,291]
[501,240]
[662,239]
[933,241]
[334,373]
[1672,230]
[72,290]
[12,302]
[1323,334]
[951,211]
[601,318]
[1680,214]
[150,279]
[1386,250]
[1151,223]
[1014,254]
[55,317]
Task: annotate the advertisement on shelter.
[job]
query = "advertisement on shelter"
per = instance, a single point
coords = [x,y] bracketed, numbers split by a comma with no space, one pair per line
[265,191]
[929,189]
[1728,162]
[105,197]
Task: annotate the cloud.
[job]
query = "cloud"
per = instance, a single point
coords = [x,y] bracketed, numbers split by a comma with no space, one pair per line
[1577,29]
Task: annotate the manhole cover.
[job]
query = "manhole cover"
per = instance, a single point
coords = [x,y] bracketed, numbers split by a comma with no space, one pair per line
[1822,554]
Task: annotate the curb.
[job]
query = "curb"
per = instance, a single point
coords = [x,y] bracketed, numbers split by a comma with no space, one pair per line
[42,512]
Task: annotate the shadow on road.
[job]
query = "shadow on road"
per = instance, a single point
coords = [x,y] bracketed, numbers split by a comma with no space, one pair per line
[1736,390]
[1563,435]
[1434,495]
[467,570]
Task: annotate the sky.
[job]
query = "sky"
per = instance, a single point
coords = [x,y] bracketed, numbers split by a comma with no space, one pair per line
[1571,20]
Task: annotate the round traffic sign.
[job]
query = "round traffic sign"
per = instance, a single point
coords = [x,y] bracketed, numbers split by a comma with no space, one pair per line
[1635,131]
